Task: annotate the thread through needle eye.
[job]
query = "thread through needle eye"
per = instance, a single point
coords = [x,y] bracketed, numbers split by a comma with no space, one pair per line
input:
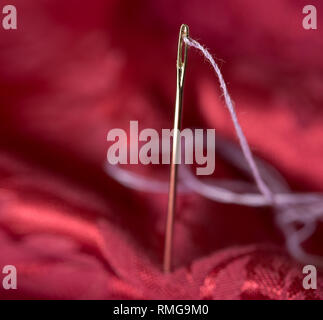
[180,67]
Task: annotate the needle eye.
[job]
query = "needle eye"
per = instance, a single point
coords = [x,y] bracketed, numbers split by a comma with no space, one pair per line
[181,54]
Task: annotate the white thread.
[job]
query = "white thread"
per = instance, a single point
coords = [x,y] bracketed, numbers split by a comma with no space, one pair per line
[137,182]
[294,237]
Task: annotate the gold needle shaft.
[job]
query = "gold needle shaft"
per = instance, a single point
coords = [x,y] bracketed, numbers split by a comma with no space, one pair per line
[180,67]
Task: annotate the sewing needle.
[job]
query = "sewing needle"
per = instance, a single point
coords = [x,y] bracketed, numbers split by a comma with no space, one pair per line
[180,67]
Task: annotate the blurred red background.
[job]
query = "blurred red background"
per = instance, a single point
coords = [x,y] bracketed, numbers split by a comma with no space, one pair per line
[74,70]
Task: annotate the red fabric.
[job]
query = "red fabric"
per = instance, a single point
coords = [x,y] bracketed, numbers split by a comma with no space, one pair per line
[74,70]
